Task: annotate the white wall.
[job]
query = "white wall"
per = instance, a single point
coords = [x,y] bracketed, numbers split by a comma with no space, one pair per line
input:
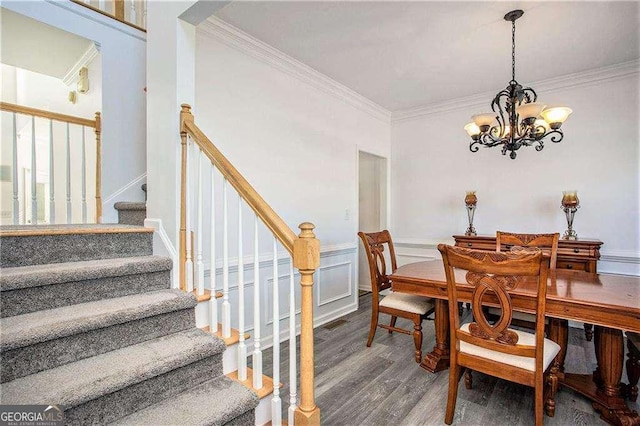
[124,101]
[297,145]
[599,156]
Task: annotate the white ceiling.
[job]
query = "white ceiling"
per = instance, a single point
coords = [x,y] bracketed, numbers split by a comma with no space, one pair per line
[403,54]
[37,47]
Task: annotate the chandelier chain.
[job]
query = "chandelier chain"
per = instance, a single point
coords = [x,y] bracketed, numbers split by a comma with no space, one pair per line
[513,50]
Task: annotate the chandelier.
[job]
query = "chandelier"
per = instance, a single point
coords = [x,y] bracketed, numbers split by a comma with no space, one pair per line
[517,119]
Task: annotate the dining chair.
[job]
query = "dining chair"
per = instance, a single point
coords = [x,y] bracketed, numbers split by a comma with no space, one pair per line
[633,364]
[412,307]
[495,348]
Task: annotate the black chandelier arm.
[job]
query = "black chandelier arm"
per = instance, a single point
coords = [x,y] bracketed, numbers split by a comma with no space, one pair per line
[474,146]
[488,140]
[556,135]
[530,94]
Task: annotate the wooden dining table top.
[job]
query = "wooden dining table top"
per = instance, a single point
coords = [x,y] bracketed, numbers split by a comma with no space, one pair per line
[602,299]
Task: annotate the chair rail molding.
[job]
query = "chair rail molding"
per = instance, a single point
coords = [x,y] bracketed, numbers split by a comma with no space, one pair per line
[226,33]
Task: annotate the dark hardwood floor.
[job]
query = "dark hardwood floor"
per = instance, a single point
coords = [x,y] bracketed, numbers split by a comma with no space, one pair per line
[383,385]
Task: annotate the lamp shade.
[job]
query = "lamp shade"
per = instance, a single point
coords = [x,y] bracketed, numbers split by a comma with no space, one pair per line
[541,127]
[471,129]
[556,114]
[484,119]
[530,110]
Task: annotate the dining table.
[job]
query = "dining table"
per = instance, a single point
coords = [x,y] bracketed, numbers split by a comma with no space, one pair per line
[610,302]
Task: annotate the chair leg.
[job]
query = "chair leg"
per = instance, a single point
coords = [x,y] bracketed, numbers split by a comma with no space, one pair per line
[454,378]
[374,325]
[417,339]
[539,404]
[392,323]
[633,370]
[551,388]
[468,378]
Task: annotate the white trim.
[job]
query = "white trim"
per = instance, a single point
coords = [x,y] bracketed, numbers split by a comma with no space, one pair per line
[220,30]
[125,188]
[349,293]
[94,16]
[580,79]
[89,55]
[168,247]
[621,256]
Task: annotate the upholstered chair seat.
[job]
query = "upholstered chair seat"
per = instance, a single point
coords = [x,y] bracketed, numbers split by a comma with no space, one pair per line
[407,302]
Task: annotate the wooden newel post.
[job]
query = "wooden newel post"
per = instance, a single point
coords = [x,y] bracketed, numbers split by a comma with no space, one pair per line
[98,168]
[306,258]
[185,115]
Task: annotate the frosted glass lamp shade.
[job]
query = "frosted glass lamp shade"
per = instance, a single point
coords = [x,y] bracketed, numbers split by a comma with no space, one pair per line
[472,129]
[530,110]
[556,115]
[484,119]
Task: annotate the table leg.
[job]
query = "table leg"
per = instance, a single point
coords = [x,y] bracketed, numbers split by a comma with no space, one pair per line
[604,387]
[438,358]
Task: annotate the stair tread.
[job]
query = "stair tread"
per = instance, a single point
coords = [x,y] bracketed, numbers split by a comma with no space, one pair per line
[130,205]
[216,401]
[27,329]
[90,378]
[93,228]
[18,277]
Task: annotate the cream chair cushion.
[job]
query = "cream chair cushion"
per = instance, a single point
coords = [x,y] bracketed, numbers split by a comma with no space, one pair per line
[407,302]
[551,349]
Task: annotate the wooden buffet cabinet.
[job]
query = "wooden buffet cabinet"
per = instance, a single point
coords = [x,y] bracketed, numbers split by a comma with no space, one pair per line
[579,255]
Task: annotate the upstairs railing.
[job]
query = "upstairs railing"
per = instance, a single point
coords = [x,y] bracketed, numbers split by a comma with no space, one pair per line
[130,12]
[48,148]
[200,158]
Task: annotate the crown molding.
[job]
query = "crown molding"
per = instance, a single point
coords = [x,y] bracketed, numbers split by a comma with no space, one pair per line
[234,37]
[580,79]
[89,55]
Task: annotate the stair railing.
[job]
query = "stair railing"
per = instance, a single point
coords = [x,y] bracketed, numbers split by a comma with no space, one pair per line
[130,12]
[68,140]
[304,251]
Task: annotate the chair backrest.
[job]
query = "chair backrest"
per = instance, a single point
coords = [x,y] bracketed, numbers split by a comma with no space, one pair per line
[374,246]
[545,242]
[493,275]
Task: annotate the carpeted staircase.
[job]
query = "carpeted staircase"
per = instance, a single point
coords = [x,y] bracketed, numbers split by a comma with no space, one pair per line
[89,322]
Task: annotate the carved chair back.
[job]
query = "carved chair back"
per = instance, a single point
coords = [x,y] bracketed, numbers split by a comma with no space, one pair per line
[374,246]
[548,243]
[493,275]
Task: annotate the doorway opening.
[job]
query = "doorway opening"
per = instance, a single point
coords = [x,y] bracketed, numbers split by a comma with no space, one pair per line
[372,206]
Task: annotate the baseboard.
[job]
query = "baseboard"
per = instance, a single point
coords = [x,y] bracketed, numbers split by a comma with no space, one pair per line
[162,246]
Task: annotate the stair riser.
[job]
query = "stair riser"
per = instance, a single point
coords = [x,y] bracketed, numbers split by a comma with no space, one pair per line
[132,217]
[25,300]
[27,360]
[118,404]
[43,249]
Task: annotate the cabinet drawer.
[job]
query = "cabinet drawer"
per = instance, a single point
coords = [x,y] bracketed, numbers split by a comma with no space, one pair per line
[477,245]
[576,266]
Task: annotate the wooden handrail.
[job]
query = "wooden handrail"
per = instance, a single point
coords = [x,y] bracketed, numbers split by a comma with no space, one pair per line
[71,119]
[19,109]
[110,15]
[269,217]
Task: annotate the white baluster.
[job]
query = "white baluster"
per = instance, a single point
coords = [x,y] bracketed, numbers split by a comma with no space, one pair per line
[189,262]
[226,306]
[52,201]
[34,174]
[16,200]
[242,348]
[68,176]
[84,180]
[213,302]
[276,402]
[257,352]
[199,265]
[293,403]
[132,13]
[102,5]
[144,14]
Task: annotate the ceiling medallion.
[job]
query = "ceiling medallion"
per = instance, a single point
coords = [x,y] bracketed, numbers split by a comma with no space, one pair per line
[517,119]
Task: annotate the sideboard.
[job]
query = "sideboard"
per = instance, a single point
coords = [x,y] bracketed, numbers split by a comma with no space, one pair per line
[579,255]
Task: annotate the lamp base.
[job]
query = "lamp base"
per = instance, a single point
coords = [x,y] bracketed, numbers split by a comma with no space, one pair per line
[470,231]
[570,234]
